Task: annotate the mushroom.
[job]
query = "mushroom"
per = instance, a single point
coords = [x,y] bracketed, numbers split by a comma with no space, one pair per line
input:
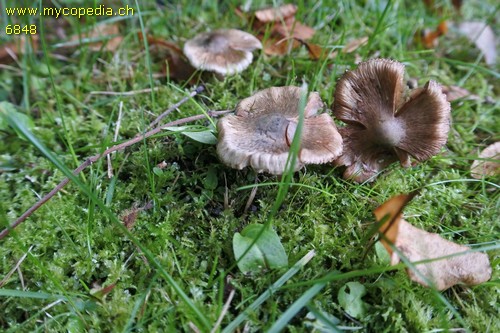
[261,131]
[226,51]
[384,126]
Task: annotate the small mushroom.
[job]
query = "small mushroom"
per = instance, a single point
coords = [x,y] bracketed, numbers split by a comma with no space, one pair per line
[226,51]
[261,131]
[384,126]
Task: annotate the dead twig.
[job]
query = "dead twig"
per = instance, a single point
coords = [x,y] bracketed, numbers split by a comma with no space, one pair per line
[16,267]
[115,137]
[95,158]
[223,312]
[198,90]
[252,196]
[228,287]
[124,93]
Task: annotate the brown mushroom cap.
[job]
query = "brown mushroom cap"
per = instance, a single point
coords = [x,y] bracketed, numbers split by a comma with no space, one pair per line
[261,131]
[381,126]
[225,51]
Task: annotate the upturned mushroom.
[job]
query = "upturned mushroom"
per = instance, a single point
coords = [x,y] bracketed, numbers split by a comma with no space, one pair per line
[261,131]
[226,51]
[384,126]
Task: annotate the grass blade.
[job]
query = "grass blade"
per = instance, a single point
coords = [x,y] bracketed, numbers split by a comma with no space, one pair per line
[296,307]
[269,292]
[202,319]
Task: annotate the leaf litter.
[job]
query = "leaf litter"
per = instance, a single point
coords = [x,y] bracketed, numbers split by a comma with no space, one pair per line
[460,265]
[489,162]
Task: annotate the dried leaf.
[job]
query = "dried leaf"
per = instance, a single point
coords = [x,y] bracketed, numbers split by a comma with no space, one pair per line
[417,245]
[391,210]
[490,166]
[275,46]
[100,31]
[483,37]
[429,38]
[454,92]
[240,13]
[100,292]
[294,28]
[129,216]
[355,44]
[317,52]
[457,4]
[280,32]
[10,51]
[274,14]
[176,66]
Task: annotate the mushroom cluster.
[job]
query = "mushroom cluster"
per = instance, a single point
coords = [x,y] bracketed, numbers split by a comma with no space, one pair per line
[383,125]
[226,51]
[261,131]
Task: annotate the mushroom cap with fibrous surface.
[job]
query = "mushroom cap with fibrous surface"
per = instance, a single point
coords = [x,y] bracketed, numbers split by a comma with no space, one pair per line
[262,129]
[383,125]
[225,51]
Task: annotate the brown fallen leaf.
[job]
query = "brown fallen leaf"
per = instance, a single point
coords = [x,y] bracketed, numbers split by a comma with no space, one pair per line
[489,167]
[428,38]
[98,32]
[392,211]
[483,37]
[129,216]
[294,29]
[279,30]
[457,4]
[355,44]
[454,93]
[417,245]
[273,14]
[278,46]
[317,52]
[9,52]
[100,292]
[175,64]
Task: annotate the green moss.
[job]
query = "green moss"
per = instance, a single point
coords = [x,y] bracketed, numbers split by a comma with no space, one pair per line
[73,249]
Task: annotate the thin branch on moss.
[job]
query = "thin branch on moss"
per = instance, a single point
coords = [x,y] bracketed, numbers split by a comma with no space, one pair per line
[223,312]
[198,90]
[108,151]
[16,267]
[115,138]
[124,93]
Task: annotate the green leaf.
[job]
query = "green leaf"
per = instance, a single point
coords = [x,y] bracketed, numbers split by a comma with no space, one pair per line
[382,253]
[266,252]
[9,109]
[206,136]
[349,298]
[211,181]
[322,322]
[157,171]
